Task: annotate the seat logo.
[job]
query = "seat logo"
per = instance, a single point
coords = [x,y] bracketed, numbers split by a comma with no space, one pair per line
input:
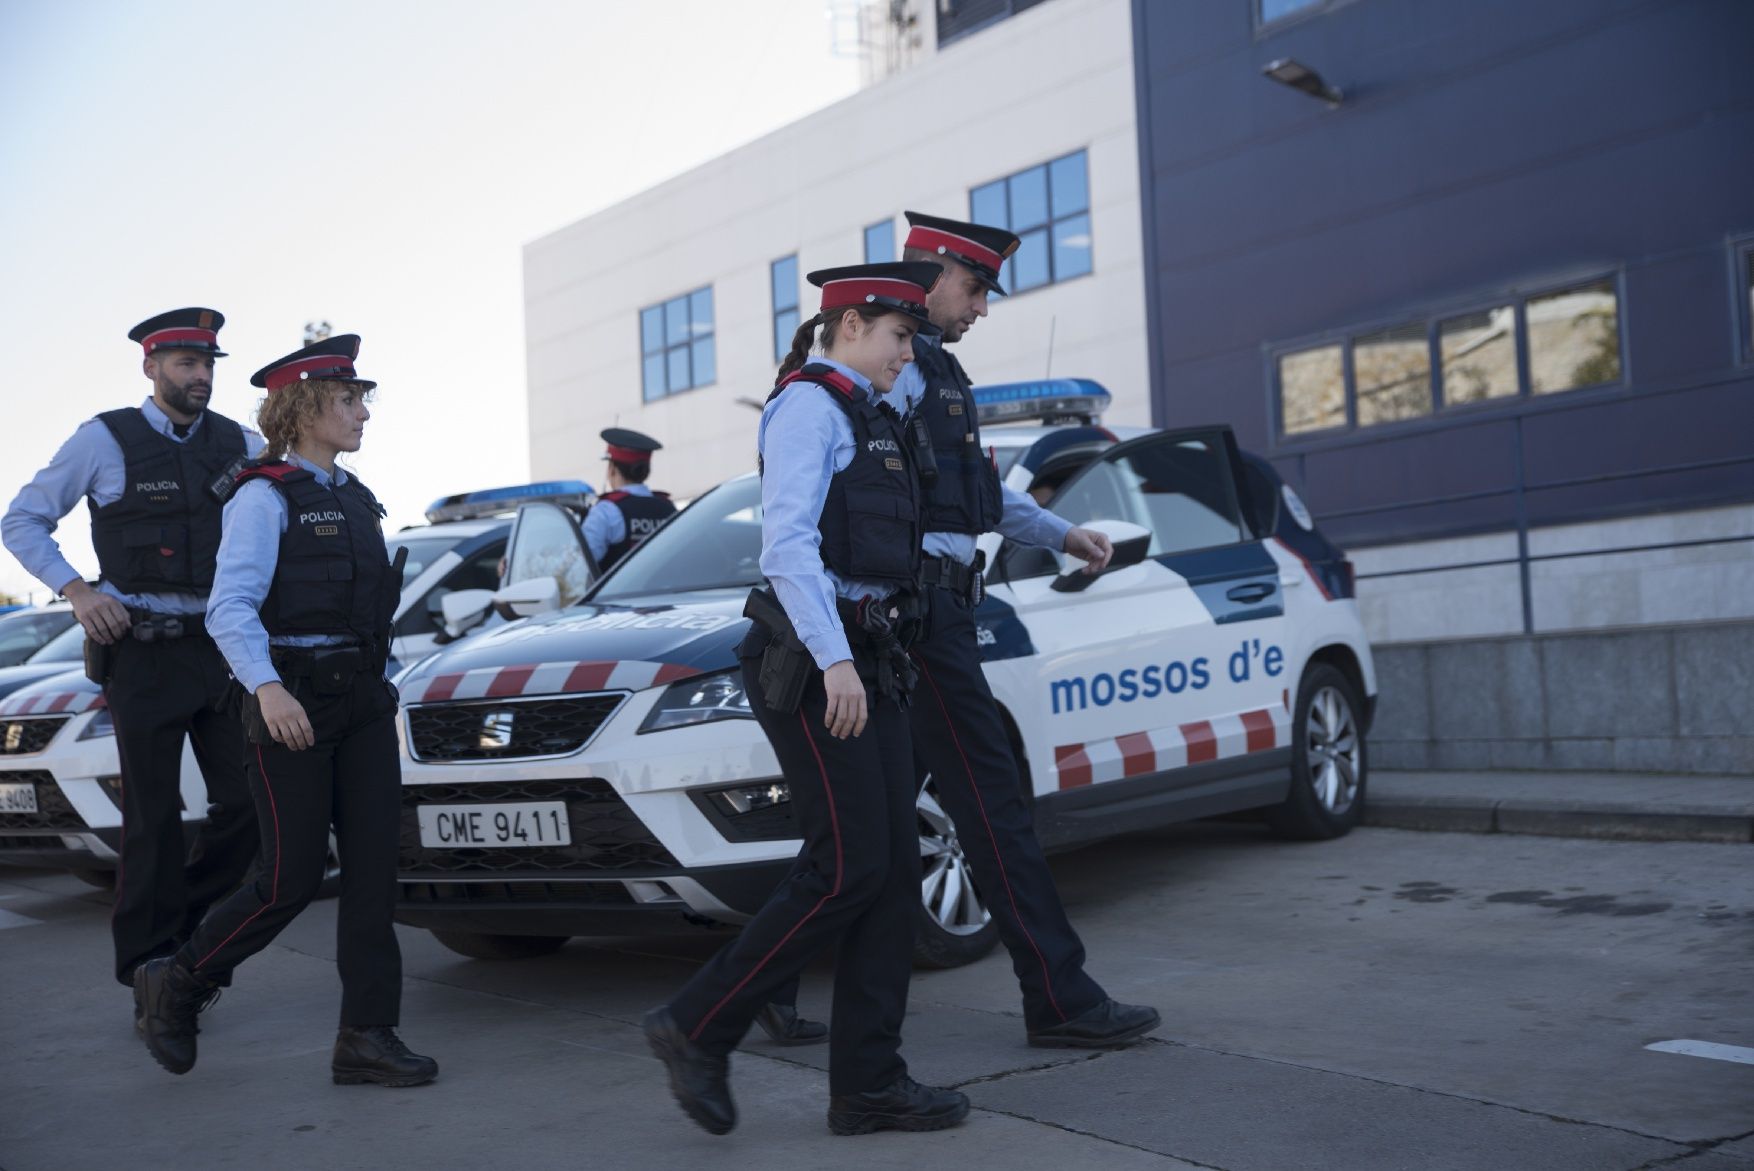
[496,731]
[14,736]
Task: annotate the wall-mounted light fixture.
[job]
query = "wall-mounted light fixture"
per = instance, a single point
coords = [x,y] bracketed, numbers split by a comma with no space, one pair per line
[1294,73]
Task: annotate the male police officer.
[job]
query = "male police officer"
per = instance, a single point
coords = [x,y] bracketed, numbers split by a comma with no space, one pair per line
[629,512]
[155,477]
[958,732]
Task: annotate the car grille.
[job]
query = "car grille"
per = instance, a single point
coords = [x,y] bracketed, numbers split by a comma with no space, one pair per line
[54,811]
[481,894]
[552,726]
[606,836]
[24,736]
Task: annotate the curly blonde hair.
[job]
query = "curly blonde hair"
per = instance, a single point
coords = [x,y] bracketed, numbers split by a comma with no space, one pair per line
[292,410]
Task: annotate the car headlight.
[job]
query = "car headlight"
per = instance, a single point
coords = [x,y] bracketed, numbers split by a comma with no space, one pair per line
[699,700]
[102,724]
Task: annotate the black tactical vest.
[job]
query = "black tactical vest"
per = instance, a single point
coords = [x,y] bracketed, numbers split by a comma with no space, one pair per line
[870,522]
[333,575]
[640,515]
[966,497]
[163,532]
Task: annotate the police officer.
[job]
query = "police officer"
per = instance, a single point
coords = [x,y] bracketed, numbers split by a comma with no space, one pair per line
[302,602]
[958,732]
[629,512]
[155,477]
[826,671]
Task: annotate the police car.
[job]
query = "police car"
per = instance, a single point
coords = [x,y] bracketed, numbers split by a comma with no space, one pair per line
[60,780]
[596,770]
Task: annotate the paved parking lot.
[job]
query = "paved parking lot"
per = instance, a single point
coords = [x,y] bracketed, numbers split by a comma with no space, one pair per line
[1392,1000]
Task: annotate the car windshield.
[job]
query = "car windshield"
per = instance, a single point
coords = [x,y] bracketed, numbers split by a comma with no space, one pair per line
[713,543]
[423,550]
[66,647]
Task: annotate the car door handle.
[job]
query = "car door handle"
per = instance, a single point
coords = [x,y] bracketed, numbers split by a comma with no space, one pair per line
[1288,582]
[1254,591]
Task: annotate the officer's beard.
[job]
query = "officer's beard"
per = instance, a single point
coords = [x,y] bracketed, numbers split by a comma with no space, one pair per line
[182,398]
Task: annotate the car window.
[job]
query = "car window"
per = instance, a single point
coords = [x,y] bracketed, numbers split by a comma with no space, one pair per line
[22,633]
[66,647]
[422,551]
[714,542]
[479,572]
[547,543]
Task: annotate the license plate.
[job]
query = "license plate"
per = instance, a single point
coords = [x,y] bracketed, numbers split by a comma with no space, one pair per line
[527,823]
[18,798]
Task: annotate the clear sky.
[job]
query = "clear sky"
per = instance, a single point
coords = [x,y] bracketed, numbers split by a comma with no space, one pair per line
[377,164]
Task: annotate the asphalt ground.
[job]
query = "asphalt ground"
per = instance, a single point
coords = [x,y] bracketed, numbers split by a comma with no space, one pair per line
[1394,999]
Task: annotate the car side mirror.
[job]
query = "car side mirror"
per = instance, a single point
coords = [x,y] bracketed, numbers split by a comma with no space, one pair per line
[1131,543]
[525,599]
[464,610]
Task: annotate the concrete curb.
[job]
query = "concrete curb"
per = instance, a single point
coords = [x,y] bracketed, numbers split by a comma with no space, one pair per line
[1448,813]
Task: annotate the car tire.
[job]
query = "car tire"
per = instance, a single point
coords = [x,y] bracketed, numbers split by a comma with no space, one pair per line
[955,927]
[1329,760]
[102,879]
[479,945]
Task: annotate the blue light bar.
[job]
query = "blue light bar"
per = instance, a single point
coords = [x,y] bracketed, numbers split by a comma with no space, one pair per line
[492,501]
[1051,398]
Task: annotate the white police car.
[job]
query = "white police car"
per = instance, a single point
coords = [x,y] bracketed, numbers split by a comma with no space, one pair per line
[60,781]
[597,770]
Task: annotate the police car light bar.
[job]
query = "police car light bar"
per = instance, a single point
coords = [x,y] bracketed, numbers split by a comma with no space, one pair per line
[493,501]
[1049,400]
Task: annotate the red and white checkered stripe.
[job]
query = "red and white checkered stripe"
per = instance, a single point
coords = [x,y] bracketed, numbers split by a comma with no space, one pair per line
[62,703]
[1160,749]
[546,679]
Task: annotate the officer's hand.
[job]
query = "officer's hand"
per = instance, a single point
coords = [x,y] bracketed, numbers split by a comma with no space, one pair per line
[103,617]
[1091,547]
[846,700]
[285,717]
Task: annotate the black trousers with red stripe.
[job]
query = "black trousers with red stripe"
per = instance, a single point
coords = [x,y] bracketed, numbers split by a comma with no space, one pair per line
[960,737]
[351,780]
[855,887]
[158,694]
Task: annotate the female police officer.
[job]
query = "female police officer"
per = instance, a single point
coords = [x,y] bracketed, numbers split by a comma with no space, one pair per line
[301,607]
[826,677]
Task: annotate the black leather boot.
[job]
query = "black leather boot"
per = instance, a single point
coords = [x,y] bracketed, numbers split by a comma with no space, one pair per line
[1109,1025]
[698,1079]
[784,1026]
[375,1054]
[904,1104]
[167,999]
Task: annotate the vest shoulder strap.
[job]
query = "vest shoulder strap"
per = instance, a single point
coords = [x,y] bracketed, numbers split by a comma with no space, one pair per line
[228,434]
[129,427]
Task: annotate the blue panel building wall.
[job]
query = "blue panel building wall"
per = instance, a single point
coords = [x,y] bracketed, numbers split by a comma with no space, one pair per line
[1486,151]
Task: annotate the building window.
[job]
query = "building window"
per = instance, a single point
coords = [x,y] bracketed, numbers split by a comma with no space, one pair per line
[1048,206]
[1574,338]
[1268,11]
[1564,339]
[958,18]
[676,344]
[880,242]
[783,274]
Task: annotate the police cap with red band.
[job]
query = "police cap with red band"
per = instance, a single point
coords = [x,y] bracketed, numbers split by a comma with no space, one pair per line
[900,285]
[181,329]
[330,360]
[629,447]
[981,248]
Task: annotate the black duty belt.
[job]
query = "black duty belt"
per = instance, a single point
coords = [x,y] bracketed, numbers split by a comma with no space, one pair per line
[150,626]
[947,573]
[296,661]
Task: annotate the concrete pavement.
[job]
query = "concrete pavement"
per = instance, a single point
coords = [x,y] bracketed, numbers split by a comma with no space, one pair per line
[1619,806]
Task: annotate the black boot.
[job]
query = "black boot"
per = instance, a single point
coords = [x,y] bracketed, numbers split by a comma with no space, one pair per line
[1109,1025]
[375,1054]
[784,1026]
[167,997]
[698,1079]
[904,1104]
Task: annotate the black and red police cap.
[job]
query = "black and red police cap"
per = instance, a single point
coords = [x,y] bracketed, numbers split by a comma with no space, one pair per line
[983,249]
[629,447]
[330,360]
[900,285]
[181,329]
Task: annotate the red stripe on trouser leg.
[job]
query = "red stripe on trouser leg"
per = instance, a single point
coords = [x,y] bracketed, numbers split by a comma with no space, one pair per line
[1073,765]
[998,858]
[839,870]
[1259,725]
[1202,744]
[274,886]
[510,681]
[1138,754]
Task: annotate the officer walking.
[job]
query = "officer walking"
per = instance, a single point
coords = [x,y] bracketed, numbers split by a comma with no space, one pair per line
[826,671]
[958,732]
[302,602]
[155,477]
[629,512]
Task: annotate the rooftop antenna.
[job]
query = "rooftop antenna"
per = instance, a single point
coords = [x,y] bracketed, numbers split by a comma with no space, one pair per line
[1052,321]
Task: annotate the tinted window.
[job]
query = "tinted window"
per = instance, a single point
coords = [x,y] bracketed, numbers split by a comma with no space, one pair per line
[422,552]
[480,572]
[1574,338]
[714,542]
[1392,373]
[1312,390]
[677,349]
[1048,206]
[1478,351]
[66,647]
[547,543]
[880,242]
[783,278]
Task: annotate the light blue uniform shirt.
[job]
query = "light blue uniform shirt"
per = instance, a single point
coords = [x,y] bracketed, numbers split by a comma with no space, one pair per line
[604,524]
[90,464]
[804,440]
[1021,519]
[249,550]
